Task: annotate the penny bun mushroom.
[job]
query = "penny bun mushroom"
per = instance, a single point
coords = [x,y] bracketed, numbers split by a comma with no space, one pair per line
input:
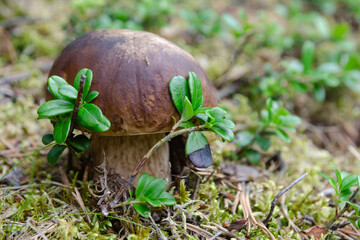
[131,71]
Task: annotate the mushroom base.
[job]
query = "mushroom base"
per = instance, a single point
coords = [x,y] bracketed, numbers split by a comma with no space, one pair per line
[122,154]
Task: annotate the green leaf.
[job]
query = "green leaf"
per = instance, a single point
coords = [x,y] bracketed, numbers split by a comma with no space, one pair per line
[282,135]
[202,110]
[217,113]
[307,55]
[348,182]
[91,96]
[143,181]
[253,156]
[47,138]
[155,188]
[142,209]
[179,89]
[263,142]
[54,83]
[54,108]
[291,120]
[55,153]
[91,117]
[333,184]
[68,91]
[338,175]
[195,141]
[224,132]
[80,143]
[225,122]
[319,93]
[187,125]
[154,202]
[187,112]
[195,87]
[167,199]
[299,86]
[244,139]
[89,75]
[61,130]
[346,194]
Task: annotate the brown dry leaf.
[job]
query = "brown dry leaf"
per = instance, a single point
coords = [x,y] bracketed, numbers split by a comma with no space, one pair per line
[315,231]
[238,225]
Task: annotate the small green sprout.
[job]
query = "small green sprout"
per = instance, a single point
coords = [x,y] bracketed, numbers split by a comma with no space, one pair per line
[274,121]
[150,191]
[344,193]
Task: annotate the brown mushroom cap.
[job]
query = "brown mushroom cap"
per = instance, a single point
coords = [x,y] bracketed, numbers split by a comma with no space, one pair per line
[132,71]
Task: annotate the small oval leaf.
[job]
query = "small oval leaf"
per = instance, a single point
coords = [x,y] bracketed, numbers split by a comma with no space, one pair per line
[54,83]
[91,96]
[55,153]
[47,138]
[55,107]
[80,143]
[179,89]
[61,130]
[91,117]
[195,87]
[68,91]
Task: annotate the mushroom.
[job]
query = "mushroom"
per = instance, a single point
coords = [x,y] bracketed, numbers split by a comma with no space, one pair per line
[132,71]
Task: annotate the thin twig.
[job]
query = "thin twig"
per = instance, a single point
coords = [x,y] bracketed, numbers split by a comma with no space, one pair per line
[267,219]
[77,103]
[329,225]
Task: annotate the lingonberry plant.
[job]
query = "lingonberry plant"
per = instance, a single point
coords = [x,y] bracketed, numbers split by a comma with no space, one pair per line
[71,107]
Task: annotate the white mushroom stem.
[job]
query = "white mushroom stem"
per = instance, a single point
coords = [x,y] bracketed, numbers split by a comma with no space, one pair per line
[122,155]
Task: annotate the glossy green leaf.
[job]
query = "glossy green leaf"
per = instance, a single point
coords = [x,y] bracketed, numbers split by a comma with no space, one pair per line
[244,138]
[47,138]
[55,153]
[225,122]
[91,117]
[54,108]
[143,181]
[54,83]
[155,188]
[307,55]
[187,111]
[81,143]
[68,91]
[91,96]
[167,199]
[142,209]
[349,181]
[195,141]
[224,132]
[154,202]
[195,87]
[179,89]
[89,75]
[263,142]
[217,113]
[61,130]
[346,194]
[253,156]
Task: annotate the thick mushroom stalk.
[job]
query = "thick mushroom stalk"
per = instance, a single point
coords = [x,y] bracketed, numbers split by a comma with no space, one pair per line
[122,154]
[131,72]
